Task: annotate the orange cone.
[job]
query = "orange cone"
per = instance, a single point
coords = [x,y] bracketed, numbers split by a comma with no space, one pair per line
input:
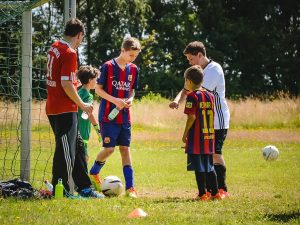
[138,212]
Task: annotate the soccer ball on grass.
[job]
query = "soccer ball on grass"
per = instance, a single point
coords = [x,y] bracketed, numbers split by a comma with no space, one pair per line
[111,186]
[270,153]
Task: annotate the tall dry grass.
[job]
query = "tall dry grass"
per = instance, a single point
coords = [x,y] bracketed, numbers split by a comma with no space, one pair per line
[254,113]
[154,113]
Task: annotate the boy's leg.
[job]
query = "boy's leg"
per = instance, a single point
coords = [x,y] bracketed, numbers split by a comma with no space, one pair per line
[219,162]
[127,166]
[124,142]
[213,182]
[80,171]
[201,179]
[109,132]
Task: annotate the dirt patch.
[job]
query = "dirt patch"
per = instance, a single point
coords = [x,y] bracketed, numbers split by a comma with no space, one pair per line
[284,135]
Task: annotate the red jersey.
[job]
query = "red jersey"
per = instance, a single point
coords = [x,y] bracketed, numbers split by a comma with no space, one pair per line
[118,83]
[201,136]
[61,65]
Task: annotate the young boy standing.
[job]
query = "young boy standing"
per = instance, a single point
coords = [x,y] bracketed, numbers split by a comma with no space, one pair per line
[116,84]
[87,76]
[199,135]
[214,82]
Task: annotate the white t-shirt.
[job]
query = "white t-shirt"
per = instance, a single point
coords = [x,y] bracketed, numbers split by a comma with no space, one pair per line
[214,81]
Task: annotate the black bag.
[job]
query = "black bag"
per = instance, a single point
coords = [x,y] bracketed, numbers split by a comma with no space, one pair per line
[16,188]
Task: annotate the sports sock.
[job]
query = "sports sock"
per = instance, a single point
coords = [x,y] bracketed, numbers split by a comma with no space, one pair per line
[213,182]
[128,174]
[96,167]
[221,176]
[208,182]
[200,178]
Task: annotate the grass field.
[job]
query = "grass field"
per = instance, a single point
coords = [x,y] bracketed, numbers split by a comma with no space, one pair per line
[261,192]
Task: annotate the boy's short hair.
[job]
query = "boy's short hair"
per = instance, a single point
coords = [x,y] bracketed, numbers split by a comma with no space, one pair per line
[194,48]
[131,43]
[73,27]
[85,73]
[194,74]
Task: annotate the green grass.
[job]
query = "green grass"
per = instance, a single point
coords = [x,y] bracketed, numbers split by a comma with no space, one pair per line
[262,192]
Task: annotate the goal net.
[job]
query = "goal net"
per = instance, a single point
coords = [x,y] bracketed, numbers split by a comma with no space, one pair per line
[26,139]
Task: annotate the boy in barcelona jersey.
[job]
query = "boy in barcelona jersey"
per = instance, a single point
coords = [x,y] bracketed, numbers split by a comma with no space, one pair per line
[116,84]
[214,82]
[199,134]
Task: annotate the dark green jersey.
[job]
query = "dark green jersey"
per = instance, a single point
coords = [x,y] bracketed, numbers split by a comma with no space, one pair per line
[84,125]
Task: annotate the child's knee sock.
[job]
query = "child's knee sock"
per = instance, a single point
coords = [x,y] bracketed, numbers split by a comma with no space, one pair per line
[96,167]
[128,174]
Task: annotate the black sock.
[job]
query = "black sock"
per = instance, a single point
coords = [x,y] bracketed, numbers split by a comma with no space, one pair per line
[208,182]
[200,178]
[213,182]
[221,176]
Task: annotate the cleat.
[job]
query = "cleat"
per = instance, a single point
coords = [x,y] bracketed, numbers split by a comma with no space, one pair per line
[90,193]
[96,182]
[224,193]
[217,196]
[131,192]
[208,194]
[204,198]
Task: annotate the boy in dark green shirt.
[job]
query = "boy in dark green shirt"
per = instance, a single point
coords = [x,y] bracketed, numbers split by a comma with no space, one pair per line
[87,76]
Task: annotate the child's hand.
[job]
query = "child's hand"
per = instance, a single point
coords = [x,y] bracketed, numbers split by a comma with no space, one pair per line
[120,103]
[97,129]
[128,102]
[173,105]
[88,108]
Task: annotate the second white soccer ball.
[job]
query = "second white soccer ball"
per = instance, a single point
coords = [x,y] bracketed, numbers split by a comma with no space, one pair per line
[270,153]
[111,186]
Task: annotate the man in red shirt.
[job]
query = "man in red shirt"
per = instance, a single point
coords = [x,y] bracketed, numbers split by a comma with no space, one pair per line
[61,108]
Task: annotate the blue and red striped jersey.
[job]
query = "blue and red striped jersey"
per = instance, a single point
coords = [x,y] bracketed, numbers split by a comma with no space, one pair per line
[118,83]
[201,136]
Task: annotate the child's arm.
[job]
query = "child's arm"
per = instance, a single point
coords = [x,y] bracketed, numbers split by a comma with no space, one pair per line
[130,99]
[189,123]
[120,103]
[180,97]
[95,125]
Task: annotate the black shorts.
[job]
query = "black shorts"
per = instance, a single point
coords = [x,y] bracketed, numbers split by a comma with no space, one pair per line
[220,136]
[200,163]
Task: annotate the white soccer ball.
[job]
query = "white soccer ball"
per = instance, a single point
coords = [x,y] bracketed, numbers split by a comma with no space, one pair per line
[112,186]
[270,153]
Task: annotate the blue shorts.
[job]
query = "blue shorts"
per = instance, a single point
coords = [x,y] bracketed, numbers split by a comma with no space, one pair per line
[200,163]
[115,134]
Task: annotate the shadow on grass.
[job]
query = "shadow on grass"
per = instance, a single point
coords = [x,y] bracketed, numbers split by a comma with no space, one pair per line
[283,217]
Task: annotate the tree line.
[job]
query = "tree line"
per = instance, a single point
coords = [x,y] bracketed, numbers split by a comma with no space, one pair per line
[256,42]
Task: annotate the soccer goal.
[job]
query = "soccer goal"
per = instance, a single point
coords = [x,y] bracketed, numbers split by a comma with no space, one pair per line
[27,28]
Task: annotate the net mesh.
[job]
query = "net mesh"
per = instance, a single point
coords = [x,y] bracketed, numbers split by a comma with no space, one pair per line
[47,24]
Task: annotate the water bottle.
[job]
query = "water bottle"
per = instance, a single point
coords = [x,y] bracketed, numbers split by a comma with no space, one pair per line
[48,185]
[113,113]
[59,189]
[84,115]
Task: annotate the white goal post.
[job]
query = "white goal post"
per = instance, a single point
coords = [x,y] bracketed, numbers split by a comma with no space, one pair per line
[26,80]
